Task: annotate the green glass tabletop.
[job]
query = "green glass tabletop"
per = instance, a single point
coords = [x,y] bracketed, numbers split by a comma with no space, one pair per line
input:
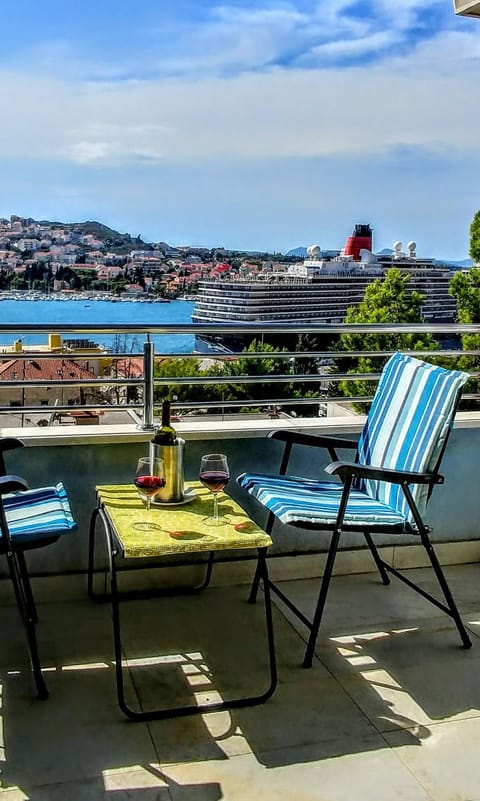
[177,529]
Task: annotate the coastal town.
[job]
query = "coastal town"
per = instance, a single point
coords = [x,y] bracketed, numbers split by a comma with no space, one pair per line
[68,260]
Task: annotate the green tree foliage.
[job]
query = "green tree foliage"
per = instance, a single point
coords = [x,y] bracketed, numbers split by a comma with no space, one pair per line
[181,368]
[202,392]
[474,251]
[465,288]
[386,301]
[264,365]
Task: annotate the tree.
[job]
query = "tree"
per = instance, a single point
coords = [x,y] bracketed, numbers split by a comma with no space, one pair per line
[474,251]
[386,300]
[199,393]
[264,365]
[465,288]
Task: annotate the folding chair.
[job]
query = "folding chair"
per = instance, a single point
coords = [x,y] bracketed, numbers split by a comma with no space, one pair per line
[384,490]
[29,519]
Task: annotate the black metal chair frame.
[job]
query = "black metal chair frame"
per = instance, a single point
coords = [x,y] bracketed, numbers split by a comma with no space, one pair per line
[17,566]
[347,472]
[115,596]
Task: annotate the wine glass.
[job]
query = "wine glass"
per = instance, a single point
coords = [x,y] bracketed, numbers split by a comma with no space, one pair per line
[149,479]
[214,475]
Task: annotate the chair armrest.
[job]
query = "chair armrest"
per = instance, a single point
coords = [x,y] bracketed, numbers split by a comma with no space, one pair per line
[12,484]
[291,438]
[317,440]
[353,470]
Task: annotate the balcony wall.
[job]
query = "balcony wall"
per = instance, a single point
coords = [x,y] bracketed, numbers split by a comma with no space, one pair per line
[95,455]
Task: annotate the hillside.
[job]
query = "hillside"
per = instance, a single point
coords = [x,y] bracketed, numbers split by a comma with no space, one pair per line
[115,240]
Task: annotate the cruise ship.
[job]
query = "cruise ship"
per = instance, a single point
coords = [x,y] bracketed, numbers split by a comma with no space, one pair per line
[322,288]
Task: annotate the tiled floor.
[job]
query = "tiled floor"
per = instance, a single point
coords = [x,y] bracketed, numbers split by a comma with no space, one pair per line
[390,710]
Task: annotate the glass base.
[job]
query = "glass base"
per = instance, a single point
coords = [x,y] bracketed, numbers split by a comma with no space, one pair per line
[146,527]
[221,520]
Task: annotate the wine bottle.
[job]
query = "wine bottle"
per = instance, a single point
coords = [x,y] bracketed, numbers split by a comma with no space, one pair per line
[166,434]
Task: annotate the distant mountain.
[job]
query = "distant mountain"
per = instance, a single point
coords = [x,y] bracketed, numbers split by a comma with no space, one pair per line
[456,265]
[298,252]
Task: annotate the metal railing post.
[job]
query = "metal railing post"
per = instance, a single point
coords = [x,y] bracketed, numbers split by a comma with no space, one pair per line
[148,351]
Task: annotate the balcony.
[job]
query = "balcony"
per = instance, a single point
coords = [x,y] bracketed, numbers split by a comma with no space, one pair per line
[467,8]
[391,707]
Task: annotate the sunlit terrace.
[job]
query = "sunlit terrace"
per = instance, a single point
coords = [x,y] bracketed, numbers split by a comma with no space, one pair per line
[391,707]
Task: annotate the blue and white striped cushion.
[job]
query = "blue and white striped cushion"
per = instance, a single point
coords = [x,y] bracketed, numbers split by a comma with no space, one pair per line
[300,501]
[34,514]
[409,420]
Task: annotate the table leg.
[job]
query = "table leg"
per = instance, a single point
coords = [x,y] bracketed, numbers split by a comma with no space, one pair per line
[156,714]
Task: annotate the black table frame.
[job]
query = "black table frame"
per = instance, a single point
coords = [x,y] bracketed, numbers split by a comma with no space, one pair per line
[114,596]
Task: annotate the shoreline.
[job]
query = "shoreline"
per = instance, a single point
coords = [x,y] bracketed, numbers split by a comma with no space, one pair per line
[79,296]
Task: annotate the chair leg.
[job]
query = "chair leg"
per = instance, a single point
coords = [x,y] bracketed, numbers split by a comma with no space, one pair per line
[455,614]
[22,590]
[322,597]
[376,556]
[27,586]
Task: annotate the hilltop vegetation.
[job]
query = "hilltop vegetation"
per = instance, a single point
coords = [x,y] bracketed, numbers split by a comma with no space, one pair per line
[113,239]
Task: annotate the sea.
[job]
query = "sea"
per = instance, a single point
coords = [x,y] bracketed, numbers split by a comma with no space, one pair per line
[99,312]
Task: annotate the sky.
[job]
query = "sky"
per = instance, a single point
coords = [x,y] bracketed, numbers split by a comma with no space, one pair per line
[248,125]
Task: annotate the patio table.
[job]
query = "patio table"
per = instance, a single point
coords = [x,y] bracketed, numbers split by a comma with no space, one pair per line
[180,530]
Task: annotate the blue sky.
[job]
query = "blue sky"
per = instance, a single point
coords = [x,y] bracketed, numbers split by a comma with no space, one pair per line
[257,125]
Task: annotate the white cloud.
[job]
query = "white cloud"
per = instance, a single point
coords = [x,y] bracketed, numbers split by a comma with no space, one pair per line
[112,144]
[365,45]
[280,114]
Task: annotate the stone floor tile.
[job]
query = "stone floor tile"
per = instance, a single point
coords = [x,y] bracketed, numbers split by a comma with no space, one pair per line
[431,642]
[446,761]
[144,784]
[303,775]
[416,696]
[315,710]
[76,733]
[361,601]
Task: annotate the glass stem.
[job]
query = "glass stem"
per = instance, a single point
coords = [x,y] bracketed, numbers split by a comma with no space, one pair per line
[148,502]
[215,506]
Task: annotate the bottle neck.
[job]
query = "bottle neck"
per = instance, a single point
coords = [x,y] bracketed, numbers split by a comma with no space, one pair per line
[166,413]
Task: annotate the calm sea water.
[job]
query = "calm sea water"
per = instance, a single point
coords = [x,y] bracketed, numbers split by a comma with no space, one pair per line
[78,312]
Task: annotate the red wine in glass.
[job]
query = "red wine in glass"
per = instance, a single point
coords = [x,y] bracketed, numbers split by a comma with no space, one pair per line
[149,478]
[214,475]
[148,486]
[215,481]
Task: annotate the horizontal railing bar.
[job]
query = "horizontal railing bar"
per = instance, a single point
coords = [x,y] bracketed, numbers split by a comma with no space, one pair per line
[84,407]
[284,378]
[246,328]
[218,404]
[74,356]
[100,382]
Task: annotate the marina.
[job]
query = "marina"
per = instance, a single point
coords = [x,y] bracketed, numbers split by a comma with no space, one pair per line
[89,310]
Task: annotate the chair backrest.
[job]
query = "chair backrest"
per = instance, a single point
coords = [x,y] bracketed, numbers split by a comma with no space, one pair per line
[408,425]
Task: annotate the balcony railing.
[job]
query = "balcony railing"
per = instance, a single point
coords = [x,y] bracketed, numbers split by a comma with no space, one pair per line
[107,390]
